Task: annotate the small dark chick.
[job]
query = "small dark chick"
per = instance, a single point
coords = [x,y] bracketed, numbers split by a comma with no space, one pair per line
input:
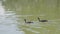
[42,20]
[28,21]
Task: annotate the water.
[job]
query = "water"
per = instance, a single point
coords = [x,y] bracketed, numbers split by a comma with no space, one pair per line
[15,11]
[8,23]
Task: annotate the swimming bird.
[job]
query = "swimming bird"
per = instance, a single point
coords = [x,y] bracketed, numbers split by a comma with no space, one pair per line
[28,21]
[42,20]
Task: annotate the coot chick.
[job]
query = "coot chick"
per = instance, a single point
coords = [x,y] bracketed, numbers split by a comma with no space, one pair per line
[28,21]
[42,20]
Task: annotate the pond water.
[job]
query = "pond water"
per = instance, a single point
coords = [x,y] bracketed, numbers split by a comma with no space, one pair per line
[13,13]
[8,23]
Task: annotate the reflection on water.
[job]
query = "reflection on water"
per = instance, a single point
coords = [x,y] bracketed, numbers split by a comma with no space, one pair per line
[8,22]
[1,9]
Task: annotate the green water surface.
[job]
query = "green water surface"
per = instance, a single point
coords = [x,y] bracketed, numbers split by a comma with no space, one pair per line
[31,9]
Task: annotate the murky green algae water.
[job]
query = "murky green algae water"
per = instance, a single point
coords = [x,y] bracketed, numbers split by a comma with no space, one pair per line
[30,10]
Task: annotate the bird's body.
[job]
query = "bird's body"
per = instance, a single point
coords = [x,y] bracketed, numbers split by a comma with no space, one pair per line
[28,21]
[42,20]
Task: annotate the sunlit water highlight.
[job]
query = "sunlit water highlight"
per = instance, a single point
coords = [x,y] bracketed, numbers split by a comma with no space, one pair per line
[8,23]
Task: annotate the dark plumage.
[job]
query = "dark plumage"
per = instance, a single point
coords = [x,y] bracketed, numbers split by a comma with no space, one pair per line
[27,22]
[42,20]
